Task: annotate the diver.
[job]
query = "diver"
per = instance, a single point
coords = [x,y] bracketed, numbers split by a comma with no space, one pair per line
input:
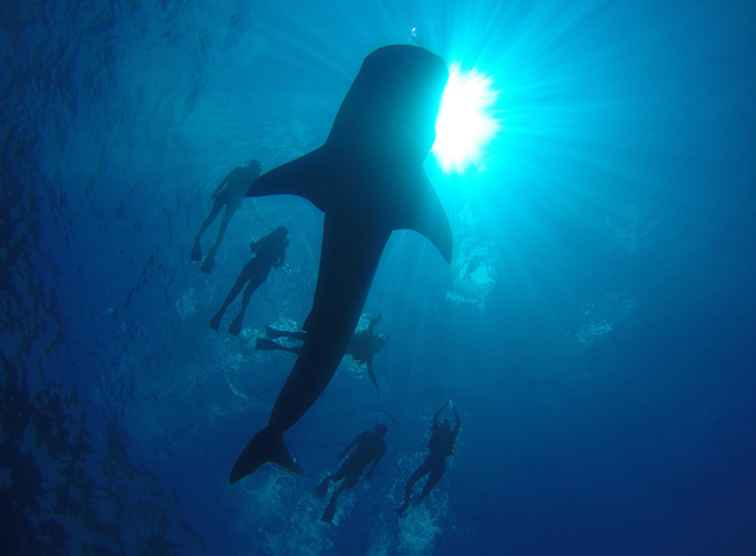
[368,447]
[473,265]
[440,447]
[228,194]
[363,346]
[269,252]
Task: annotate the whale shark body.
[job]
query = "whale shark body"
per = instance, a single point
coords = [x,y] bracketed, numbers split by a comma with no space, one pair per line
[368,179]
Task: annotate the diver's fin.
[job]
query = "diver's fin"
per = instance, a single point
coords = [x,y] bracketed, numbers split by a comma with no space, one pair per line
[266,446]
[330,511]
[322,489]
[307,176]
[266,344]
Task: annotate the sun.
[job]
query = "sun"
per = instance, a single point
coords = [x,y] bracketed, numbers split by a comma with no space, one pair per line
[465,124]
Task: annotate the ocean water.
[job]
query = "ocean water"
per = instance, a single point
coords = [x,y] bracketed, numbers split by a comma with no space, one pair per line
[595,328]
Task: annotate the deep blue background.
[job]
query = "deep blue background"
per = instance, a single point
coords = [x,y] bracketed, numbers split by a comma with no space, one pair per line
[623,171]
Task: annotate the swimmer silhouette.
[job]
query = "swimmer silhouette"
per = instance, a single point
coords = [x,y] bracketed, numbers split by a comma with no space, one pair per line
[228,194]
[363,347]
[368,179]
[270,252]
[441,445]
[366,449]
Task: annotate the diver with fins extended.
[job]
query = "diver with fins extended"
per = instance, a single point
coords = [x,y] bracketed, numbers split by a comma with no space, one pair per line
[440,446]
[270,252]
[228,195]
[363,347]
[366,449]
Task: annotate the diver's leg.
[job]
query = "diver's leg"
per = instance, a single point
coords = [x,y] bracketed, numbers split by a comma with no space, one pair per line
[414,478]
[436,472]
[272,332]
[322,488]
[266,344]
[330,510]
[209,262]
[371,374]
[235,289]
[197,248]
[254,282]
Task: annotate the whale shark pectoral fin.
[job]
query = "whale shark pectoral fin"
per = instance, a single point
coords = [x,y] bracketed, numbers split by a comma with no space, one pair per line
[306,176]
[430,220]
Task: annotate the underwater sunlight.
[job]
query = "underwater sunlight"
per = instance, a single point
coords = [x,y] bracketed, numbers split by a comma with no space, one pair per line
[465,124]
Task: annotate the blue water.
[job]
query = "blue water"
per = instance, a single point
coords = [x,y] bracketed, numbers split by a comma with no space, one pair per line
[600,355]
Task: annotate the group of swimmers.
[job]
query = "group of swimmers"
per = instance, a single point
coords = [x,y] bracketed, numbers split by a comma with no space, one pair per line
[269,252]
[368,448]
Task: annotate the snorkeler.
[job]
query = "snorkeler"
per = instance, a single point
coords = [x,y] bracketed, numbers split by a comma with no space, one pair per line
[440,447]
[472,266]
[365,449]
[228,194]
[363,346]
[270,252]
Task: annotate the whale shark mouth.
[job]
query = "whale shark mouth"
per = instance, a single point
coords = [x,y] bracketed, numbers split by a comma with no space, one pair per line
[465,122]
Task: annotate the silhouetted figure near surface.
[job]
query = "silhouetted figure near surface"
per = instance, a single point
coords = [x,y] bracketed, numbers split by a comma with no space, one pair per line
[270,252]
[440,447]
[367,448]
[228,194]
[363,346]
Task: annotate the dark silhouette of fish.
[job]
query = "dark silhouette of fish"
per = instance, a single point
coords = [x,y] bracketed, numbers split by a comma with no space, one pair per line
[368,179]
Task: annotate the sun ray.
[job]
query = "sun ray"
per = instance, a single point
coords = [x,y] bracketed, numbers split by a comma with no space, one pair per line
[465,123]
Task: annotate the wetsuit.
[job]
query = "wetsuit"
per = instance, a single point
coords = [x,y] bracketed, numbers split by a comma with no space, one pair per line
[366,449]
[440,447]
[270,252]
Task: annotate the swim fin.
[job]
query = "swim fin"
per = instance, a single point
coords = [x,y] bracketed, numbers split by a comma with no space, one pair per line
[322,489]
[329,511]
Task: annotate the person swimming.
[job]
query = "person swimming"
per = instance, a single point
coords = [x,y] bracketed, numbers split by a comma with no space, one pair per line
[440,446]
[363,346]
[228,194]
[366,449]
[269,252]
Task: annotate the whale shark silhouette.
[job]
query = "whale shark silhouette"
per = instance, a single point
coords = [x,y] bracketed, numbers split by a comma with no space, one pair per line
[368,179]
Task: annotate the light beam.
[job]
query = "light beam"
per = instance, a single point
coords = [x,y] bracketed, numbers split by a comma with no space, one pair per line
[464,123]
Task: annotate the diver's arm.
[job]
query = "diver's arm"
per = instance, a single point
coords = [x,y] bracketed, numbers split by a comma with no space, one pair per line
[279,262]
[375,464]
[457,421]
[371,374]
[374,322]
[438,414]
[352,444]
[220,186]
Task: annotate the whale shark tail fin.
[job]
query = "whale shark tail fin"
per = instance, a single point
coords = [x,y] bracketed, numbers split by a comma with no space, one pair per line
[267,446]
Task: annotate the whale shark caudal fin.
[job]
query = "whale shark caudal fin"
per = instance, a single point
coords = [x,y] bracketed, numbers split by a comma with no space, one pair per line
[401,200]
[267,446]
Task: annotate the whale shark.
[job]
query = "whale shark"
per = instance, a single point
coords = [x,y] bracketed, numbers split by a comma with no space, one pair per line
[368,179]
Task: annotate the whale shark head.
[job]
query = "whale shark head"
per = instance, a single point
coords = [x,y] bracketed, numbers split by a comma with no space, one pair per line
[391,108]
